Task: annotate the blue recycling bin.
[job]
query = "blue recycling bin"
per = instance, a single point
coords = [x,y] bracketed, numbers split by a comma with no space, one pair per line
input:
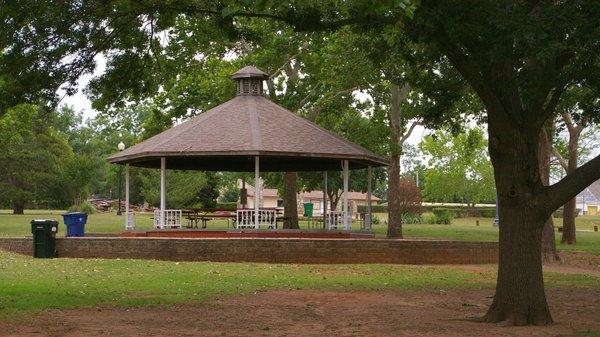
[75,223]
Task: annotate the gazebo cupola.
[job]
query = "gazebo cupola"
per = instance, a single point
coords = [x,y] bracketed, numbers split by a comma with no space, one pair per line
[250,81]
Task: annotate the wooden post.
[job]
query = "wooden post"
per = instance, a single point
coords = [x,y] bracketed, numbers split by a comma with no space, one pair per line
[324,199]
[163,190]
[256,190]
[346,222]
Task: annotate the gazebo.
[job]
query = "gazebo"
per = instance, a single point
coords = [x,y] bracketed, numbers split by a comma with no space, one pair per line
[247,133]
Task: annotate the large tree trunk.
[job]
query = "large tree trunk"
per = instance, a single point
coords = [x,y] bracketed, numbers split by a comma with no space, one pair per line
[396,126]
[520,298]
[548,240]
[394,216]
[290,201]
[18,207]
[568,235]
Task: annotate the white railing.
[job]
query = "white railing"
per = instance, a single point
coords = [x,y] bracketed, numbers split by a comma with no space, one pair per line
[172,219]
[129,221]
[335,220]
[245,218]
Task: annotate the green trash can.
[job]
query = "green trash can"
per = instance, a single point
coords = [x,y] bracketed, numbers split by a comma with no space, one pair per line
[44,238]
[308,209]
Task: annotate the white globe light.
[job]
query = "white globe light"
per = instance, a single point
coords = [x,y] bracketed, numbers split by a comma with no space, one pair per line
[121,146]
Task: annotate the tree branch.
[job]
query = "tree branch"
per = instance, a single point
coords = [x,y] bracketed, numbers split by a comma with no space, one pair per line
[302,47]
[575,182]
[561,160]
[568,121]
[312,115]
[409,132]
[552,101]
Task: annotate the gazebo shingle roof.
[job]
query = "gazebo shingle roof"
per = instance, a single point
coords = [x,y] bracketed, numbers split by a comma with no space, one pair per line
[227,137]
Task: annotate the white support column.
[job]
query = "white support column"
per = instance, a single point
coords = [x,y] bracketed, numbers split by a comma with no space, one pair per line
[127,225]
[163,190]
[346,219]
[325,199]
[369,217]
[256,190]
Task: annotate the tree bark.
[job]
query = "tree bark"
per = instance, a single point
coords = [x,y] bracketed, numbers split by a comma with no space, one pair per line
[520,298]
[290,200]
[569,210]
[548,240]
[394,217]
[396,125]
[18,207]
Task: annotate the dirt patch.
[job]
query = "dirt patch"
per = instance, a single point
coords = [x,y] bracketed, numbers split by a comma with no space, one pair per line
[580,259]
[570,263]
[315,313]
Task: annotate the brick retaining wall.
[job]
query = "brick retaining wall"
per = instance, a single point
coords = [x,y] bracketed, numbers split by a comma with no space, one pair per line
[329,251]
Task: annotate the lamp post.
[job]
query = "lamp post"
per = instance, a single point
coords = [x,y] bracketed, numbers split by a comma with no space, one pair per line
[121,147]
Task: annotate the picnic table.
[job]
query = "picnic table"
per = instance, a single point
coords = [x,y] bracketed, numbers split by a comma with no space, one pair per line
[204,216]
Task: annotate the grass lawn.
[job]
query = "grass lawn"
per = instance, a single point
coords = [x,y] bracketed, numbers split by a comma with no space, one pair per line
[29,285]
[460,229]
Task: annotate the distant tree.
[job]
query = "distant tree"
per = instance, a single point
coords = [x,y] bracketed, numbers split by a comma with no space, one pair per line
[410,197]
[79,173]
[31,157]
[459,168]
[580,111]
[185,189]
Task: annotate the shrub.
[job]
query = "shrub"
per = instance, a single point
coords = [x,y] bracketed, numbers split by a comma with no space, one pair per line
[375,220]
[85,207]
[463,212]
[410,219]
[430,219]
[410,198]
[443,215]
[227,206]
[486,213]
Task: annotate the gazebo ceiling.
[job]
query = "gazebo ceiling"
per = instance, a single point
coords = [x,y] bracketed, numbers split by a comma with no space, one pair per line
[227,137]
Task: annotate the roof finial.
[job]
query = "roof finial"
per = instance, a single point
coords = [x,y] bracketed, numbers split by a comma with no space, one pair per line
[250,80]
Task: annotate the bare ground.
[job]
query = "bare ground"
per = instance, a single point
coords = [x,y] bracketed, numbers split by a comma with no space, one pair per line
[328,313]
[316,313]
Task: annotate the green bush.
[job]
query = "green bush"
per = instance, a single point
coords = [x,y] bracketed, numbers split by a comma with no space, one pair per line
[85,207]
[486,213]
[412,219]
[443,215]
[464,212]
[430,219]
[375,220]
[228,206]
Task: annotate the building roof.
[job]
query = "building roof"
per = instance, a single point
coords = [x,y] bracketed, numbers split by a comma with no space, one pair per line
[229,136]
[265,192]
[590,195]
